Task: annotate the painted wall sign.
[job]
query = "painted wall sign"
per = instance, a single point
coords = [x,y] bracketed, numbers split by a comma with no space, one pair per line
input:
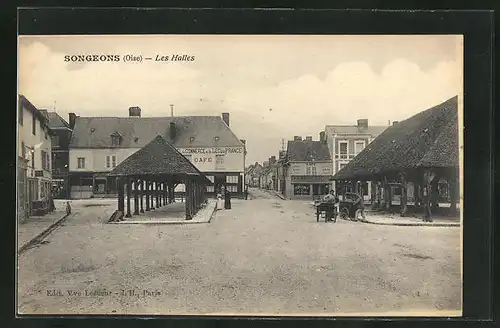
[203,159]
[212,150]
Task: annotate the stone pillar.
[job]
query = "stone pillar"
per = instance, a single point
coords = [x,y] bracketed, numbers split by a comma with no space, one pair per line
[404,194]
[146,194]
[129,191]
[121,201]
[136,196]
[426,193]
[141,186]
[157,194]
[454,191]
[152,194]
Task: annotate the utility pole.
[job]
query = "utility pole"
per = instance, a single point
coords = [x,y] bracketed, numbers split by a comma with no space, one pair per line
[171,110]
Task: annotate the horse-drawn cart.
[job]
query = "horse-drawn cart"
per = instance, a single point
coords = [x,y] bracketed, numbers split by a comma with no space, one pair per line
[326,207]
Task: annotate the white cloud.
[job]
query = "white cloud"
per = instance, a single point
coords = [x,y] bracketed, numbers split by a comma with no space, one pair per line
[261,112]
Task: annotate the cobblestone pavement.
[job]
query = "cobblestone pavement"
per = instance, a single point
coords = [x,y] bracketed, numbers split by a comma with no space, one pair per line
[265,255]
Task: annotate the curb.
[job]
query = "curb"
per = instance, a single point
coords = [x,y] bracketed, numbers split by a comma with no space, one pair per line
[157,222]
[412,224]
[38,238]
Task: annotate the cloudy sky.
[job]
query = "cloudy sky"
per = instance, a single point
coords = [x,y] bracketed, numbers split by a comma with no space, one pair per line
[274,87]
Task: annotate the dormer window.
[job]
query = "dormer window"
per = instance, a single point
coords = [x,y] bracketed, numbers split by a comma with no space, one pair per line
[191,139]
[116,139]
[216,138]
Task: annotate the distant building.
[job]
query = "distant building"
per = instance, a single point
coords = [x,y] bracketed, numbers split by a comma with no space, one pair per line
[98,144]
[60,155]
[307,168]
[34,175]
[346,141]
[253,175]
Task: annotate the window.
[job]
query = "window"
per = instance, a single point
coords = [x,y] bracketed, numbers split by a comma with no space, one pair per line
[44,160]
[21,114]
[301,189]
[210,189]
[47,161]
[219,161]
[211,178]
[232,188]
[343,149]
[115,140]
[358,147]
[55,141]
[111,161]
[232,179]
[308,170]
[81,162]
[23,150]
[33,126]
[314,170]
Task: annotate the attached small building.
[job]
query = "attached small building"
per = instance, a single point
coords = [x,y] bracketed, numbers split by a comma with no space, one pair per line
[99,144]
[307,168]
[34,159]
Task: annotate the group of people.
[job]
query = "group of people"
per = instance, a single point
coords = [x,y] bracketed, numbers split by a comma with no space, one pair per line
[334,210]
[223,193]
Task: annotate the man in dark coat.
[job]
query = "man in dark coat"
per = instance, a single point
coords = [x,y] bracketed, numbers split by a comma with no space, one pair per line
[227,199]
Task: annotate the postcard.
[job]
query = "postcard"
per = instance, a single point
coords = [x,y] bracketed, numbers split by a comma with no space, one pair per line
[247,175]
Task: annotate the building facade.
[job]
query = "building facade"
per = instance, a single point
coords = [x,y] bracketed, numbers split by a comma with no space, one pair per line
[34,159]
[98,144]
[61,135]
[307,169]
[345,142]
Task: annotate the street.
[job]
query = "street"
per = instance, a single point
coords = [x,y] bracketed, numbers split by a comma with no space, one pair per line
[264,256]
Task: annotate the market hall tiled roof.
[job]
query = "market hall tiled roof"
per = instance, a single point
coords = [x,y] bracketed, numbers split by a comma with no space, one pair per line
[158,157]
[306,150]
[136,132]
[427,139]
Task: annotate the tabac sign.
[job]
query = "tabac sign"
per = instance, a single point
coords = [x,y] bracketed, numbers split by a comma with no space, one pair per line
[212,150]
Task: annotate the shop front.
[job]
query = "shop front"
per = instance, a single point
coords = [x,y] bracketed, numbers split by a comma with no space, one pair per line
[309,186]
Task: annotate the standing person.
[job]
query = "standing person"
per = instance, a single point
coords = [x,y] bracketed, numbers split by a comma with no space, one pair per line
[246,192]
[331,199]
[227,199]
[360,209]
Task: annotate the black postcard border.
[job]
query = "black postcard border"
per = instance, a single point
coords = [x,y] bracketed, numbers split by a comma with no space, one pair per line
[477,28]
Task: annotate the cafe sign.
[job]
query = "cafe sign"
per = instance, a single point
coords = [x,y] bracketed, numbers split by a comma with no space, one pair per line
[212,150]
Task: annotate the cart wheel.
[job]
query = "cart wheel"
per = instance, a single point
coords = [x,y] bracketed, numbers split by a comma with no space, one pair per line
[344,213]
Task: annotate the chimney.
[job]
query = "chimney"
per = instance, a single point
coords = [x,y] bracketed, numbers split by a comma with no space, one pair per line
[297,138]
[134,111]
[273,159]
[172,131]
[225,118]
[282,154]
[322,136]
[72,119]
[172,110]
[362,123]
[395,122]
[309,138]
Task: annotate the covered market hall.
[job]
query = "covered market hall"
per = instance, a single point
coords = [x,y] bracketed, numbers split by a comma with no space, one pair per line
[413,164]
[150,176]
